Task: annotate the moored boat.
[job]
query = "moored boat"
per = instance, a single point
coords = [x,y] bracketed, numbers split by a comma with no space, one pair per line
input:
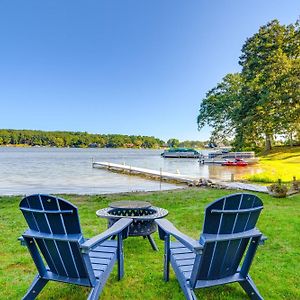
[238,162]
[220,157]
[181,153]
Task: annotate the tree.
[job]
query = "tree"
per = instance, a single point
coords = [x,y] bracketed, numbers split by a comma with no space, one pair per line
[220,108]
[173,143]
[267,62]
[264,99]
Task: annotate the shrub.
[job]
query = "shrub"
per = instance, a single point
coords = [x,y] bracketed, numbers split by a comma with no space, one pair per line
[278,190]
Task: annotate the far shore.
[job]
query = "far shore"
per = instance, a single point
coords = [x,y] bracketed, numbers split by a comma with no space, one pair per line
[49,146]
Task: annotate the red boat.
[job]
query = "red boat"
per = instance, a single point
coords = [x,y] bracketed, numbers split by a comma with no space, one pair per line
[238,162]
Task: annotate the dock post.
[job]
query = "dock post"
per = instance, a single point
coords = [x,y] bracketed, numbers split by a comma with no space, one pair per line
[160,178]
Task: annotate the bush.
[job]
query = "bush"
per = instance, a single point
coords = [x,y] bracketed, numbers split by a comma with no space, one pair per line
[278,190]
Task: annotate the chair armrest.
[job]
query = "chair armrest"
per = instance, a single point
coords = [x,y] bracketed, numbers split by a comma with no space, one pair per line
[115,229]
[168,228]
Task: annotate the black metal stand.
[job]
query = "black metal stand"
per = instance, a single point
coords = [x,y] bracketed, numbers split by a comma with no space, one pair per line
[152,242]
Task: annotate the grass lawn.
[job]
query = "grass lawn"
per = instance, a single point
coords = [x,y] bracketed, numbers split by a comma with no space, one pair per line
[276,268]
[281,162]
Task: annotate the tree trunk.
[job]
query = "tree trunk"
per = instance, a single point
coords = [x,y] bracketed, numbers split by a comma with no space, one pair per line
[268,145]
[291,138]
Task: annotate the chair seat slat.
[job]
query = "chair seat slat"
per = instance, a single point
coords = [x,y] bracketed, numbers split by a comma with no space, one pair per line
[105,249]
[103,261]
[99,267]
[185,262]
[101,255]
[184,256]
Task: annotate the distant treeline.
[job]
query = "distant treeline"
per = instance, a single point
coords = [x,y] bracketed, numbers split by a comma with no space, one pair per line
[173,143]
[76,139]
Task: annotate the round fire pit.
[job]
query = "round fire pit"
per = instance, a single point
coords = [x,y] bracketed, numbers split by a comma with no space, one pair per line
[142,213]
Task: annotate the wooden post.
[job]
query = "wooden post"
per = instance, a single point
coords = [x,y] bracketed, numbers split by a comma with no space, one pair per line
[160,178]
[232,177]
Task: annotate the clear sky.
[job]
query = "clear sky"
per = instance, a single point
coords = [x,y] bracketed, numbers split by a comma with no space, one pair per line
[121,66]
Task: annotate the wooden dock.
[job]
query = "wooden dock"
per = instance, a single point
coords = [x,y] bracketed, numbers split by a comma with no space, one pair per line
[157,175]
[172,177]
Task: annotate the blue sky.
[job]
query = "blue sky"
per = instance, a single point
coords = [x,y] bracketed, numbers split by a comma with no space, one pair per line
[121,66]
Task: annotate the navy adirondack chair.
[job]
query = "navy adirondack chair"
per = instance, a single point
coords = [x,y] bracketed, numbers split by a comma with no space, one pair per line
[229,232]
[55,236]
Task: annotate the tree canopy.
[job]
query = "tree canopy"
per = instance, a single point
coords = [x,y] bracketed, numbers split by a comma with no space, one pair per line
[263,100]
[76,139]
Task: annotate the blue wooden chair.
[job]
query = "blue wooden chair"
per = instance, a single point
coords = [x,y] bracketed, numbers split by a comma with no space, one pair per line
[54,236]
[228,232]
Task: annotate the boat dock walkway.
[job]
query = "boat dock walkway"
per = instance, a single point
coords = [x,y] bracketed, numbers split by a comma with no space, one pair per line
[179,178]
[160,175]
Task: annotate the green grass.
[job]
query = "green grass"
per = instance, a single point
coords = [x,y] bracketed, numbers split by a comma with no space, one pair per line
[275,269]
[281,163]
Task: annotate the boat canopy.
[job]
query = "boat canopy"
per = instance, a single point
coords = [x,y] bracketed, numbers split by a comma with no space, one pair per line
[182,150]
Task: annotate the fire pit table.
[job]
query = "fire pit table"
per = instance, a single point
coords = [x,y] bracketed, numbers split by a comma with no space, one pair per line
[142,213]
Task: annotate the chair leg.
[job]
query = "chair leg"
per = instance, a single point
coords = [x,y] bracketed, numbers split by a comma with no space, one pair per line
[95,292]
[151,240]
[188,292]
[167,258]
[120,257]
[35,288]
[250,288]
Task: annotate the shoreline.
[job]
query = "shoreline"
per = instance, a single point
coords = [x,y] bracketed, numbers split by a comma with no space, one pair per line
[107,193]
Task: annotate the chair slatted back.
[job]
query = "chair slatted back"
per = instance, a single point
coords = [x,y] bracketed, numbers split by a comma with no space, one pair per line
[46,215]
[232,214]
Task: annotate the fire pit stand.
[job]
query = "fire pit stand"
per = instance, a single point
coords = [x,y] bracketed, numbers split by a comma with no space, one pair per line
[142,213]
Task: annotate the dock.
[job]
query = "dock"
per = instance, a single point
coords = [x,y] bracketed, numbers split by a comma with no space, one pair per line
[157,175]
[172,177]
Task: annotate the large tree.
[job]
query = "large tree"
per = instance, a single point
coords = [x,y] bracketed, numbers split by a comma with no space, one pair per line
[220,107]
[268,62]
[262,100]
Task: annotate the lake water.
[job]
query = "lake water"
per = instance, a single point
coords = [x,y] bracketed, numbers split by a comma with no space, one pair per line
[68,170]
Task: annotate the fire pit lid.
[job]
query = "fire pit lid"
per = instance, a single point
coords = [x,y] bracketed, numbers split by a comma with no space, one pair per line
[130,204]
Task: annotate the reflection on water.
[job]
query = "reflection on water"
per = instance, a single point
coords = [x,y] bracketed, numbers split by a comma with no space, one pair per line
[53,170]
[224,172]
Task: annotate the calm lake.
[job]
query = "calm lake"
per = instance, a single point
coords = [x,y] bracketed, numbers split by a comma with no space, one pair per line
[69,170]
